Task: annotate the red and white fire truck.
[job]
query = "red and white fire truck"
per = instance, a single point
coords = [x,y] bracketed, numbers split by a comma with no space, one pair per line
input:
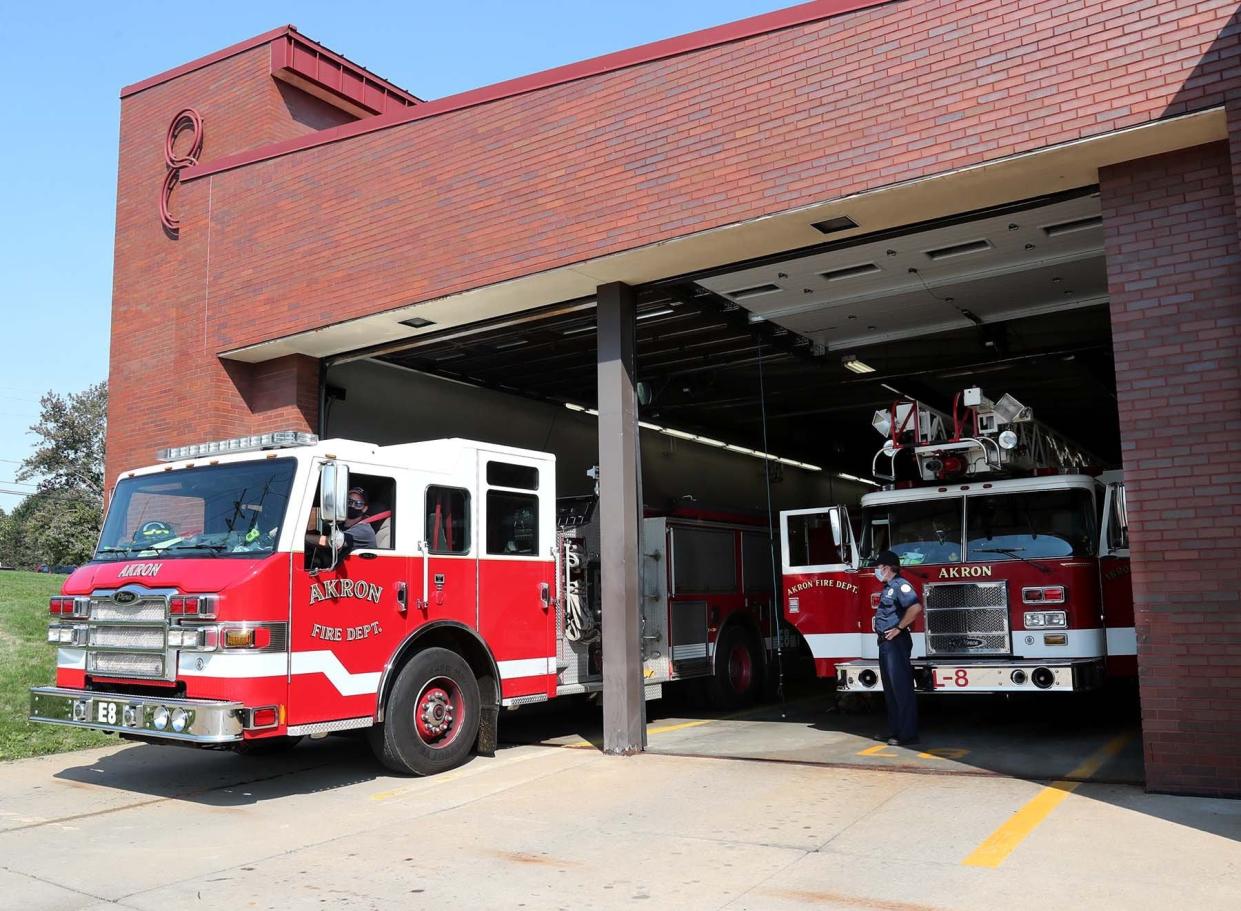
[212,615]
[1018,549]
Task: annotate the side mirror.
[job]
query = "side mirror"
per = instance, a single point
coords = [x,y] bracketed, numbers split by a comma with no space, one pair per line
[333,492]
[836,531]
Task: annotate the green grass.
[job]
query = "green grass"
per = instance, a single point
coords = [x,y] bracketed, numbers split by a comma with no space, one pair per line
[26,660]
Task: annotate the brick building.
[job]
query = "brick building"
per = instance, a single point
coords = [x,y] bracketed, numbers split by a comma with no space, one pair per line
[332,219]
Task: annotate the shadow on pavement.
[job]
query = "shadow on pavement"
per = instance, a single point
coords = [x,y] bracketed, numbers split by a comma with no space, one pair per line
[1093,741]
[225,779]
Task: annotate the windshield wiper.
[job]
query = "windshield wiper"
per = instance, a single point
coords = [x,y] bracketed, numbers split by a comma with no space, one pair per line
[214,549]
[1011,552]
[123,549]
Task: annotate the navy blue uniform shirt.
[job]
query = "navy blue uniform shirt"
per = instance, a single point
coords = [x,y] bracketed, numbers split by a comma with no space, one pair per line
[897,596]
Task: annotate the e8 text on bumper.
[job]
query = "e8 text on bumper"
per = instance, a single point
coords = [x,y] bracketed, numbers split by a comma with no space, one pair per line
[192,720]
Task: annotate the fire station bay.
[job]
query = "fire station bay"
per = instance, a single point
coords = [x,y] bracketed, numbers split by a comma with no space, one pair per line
[610,382]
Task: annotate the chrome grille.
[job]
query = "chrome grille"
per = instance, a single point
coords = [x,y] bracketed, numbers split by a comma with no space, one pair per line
[146,610]
[967,618]
[124,664]
[128,638]
[146,638]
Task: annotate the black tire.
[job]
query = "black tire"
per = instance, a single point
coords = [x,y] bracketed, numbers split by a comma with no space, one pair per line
[266,746]
[738,670]
[443,739]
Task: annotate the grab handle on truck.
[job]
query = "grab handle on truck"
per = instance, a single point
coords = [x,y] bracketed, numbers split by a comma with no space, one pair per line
[425,601]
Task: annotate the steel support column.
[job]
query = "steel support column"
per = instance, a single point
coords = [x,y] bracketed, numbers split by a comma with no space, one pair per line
[624,708]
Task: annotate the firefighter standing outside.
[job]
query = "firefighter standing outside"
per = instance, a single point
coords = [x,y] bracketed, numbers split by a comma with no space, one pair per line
[899,606]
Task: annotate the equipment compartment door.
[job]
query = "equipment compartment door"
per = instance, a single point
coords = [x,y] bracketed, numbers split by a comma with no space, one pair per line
[516,578]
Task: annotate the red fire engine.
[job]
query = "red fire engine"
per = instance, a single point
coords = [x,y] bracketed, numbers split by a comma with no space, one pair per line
[213,615]
[1020,556]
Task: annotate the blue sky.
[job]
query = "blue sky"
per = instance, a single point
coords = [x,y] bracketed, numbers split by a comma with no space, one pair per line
[65,64]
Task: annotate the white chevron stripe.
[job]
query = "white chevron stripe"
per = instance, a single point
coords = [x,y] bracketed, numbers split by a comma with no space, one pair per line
[526,667]
[277,665]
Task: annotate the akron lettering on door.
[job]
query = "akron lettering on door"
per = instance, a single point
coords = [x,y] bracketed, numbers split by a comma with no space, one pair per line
[345,588]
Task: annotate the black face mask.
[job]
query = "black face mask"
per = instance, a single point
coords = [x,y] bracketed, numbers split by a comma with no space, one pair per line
[355,511]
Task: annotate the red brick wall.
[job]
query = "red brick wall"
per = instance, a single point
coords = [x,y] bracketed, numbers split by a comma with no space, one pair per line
[1174,276]
[729,133]
[167,386]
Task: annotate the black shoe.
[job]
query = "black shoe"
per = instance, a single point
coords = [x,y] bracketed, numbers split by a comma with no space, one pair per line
[897,742]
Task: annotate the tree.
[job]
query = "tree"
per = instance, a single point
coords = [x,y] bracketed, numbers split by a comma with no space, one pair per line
[60,522]
[70,456]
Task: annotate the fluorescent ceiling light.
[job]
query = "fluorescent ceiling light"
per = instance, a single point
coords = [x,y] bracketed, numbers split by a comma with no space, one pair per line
[663,311]
[852,363]
[853,477]
[705,441]
[517,343]
[578,331]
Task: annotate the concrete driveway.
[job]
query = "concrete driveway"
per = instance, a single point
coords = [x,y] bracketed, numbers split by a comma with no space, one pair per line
[543,826]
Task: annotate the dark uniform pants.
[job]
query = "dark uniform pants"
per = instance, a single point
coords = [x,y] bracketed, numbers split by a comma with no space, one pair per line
[898,686]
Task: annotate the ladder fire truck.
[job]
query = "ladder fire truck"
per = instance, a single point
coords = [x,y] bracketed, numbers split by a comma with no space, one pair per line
[212,613]
[1019,554]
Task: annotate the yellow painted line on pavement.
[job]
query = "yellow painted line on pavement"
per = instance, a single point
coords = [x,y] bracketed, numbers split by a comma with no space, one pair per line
[683,725]
[1000,843]
[419,786]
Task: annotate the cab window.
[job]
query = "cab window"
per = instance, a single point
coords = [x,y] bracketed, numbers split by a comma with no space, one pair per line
[810,541]
[512,524]
[448,520]
[379,495]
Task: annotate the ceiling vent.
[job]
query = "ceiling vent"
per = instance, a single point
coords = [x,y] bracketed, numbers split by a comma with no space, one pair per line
[756,291]
[832,225]
[836,275]
[970,246]
[1071,227]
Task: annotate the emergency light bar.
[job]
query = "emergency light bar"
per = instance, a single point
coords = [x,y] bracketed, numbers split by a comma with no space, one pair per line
[277,440]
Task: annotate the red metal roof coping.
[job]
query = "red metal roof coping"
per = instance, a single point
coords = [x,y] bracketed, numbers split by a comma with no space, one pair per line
[659,50]
[295,56]
[291,34]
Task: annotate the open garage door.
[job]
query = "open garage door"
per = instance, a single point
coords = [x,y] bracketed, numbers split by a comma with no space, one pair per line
[761,380]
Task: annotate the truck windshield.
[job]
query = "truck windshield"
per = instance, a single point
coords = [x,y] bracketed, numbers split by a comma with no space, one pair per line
[921,532]
[224,510]
[1015,526]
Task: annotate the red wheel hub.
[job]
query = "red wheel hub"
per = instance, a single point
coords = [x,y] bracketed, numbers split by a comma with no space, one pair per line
[740,668]
[437,713]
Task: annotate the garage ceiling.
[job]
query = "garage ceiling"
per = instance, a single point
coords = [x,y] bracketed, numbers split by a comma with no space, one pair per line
[973,310]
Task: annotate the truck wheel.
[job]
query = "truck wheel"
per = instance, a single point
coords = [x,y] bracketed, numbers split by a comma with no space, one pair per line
[737,670]
[431,718]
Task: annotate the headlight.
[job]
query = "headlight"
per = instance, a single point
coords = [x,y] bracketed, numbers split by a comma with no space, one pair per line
[1046,619]
[180,719]
[159,718]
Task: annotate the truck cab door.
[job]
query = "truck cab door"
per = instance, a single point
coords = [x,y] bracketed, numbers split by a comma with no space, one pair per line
[1116,589]
[819,563]
[346,617]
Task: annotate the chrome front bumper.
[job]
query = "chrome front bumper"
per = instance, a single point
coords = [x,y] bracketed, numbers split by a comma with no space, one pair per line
[996,676]
[205,721]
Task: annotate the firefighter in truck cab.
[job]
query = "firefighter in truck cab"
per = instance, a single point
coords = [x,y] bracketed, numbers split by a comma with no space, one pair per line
[899,606]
